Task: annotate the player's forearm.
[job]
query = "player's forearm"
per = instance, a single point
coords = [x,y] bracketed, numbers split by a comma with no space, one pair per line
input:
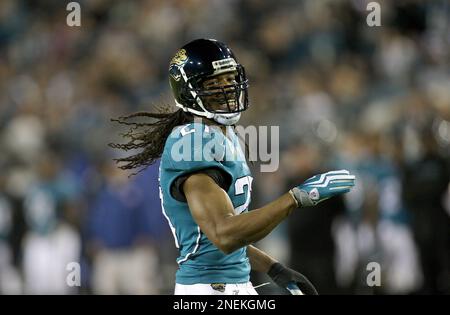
[247,228]
[259,260]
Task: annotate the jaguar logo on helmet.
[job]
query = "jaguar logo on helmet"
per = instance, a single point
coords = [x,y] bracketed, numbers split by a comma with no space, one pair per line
[179,58]
[177,61]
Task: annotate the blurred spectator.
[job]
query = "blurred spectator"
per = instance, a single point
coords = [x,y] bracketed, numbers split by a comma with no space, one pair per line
[376,228]
[50,243]
[10,281]
[426,182]
[124,256]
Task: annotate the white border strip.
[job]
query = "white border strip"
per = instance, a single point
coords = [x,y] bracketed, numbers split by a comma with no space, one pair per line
[197,245]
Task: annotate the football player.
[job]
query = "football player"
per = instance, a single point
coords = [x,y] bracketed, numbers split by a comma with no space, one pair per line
[205,183]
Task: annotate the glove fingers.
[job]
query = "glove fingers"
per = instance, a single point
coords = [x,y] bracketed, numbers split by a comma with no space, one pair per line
[336,193]
[305,285]
[340,190]
[345,172]
[282,276]
[343,184]
[330,179]
[343,181]
[320,178]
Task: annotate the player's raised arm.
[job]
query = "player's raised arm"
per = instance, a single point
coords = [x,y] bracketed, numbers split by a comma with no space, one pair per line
[213,210]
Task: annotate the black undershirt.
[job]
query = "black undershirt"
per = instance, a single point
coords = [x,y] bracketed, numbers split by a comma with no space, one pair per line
[222,178]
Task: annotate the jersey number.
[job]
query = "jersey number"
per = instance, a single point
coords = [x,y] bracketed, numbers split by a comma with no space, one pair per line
[239,185]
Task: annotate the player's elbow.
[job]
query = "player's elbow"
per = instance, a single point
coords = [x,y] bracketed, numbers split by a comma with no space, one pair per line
[225,248]
[225,237]
[227,244]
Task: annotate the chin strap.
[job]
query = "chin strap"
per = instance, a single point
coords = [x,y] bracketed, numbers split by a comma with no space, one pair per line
[223,119]
[227,119]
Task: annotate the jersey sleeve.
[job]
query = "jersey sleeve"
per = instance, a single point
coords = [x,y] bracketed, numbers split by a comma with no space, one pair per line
[195,148]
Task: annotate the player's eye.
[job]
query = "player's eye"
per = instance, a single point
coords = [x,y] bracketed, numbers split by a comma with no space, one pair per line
[217,82]
[211,83]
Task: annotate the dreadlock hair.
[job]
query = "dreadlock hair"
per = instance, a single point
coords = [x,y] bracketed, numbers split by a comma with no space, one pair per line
[150,137]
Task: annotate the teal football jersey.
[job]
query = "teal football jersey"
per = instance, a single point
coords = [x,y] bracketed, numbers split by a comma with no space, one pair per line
[190,148]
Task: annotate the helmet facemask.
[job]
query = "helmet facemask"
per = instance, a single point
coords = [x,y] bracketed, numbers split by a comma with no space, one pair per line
[223,102]
[220,98]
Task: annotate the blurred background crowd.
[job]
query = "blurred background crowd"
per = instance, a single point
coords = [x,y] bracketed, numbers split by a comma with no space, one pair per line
[374,100]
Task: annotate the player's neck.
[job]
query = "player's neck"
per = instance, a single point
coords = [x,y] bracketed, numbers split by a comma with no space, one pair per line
[211,122]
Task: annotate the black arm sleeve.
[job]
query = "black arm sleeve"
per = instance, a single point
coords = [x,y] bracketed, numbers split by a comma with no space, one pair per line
[222,178]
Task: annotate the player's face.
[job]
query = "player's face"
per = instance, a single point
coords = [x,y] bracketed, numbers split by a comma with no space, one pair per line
[220,84]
